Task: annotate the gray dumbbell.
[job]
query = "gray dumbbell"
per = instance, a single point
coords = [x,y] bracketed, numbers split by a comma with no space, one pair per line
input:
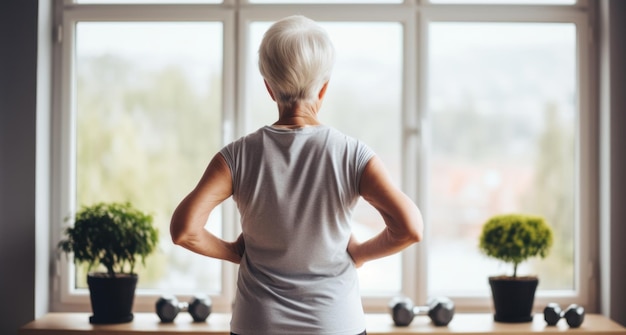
[574,314]
[439,310]
[168,307]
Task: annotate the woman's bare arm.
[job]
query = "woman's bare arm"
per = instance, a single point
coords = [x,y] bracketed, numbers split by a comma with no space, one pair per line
[189,218]
[403,220]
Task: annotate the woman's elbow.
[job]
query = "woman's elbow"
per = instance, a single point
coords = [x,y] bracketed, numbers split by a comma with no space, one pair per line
[415,232]
[180,235]
[412,235]
[417,235]
[408,233]
[414,225]
[178,238]
[408,227]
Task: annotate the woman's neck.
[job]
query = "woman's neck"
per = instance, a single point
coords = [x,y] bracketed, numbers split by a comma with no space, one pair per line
[298,116]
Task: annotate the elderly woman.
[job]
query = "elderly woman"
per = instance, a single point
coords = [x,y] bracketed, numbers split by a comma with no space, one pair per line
[295,184]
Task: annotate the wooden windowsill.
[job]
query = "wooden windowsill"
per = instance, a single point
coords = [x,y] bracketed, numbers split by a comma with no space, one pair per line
[377,324]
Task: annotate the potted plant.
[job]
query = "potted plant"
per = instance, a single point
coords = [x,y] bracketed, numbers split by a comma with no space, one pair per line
[115,236]
[513,238]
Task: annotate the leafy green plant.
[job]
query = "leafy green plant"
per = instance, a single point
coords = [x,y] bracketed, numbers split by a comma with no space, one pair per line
[513,238]
[114,235]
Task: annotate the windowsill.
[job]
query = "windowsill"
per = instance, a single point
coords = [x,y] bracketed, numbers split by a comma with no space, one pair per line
[148,323]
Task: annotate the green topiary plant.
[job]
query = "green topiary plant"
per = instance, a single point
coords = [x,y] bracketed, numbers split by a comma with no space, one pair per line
[513,238]
[114,235]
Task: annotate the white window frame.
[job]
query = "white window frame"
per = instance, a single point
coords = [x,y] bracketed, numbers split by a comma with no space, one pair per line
[414,16]
[586,169]
[65,297]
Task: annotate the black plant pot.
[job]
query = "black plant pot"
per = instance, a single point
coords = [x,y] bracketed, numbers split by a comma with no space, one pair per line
[513,298]
[111,297]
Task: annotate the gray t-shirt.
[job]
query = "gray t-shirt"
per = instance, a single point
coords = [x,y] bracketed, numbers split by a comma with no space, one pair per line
[295,190]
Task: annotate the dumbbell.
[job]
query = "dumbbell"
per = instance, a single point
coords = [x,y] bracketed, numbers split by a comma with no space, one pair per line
[168,307]
[440,310]
[574,314]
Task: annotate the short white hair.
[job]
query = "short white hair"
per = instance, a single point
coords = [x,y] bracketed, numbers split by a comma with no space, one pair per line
[296,58]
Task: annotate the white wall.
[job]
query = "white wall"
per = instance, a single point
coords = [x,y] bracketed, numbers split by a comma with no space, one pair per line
[613,159]
[18,71]
[24,241]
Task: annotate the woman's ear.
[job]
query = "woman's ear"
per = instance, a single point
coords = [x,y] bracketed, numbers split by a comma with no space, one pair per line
[269,90]
[322,92]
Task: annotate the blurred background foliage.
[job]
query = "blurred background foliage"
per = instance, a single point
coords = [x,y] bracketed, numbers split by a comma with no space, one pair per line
[143,137]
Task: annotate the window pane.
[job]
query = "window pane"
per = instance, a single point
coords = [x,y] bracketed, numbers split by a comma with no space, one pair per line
[502,107]
[148,1]
[507,2]
[327,1]
[147,121]
[365,104]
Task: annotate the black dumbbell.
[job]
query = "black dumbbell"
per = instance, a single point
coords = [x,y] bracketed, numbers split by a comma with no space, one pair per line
[168,307]
[574,314]
[440,310]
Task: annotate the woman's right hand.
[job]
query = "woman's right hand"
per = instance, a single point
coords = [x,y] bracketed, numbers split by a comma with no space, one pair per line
[238,247]
[353,245]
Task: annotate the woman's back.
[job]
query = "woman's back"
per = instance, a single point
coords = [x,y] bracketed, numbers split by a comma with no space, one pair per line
[295,190]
